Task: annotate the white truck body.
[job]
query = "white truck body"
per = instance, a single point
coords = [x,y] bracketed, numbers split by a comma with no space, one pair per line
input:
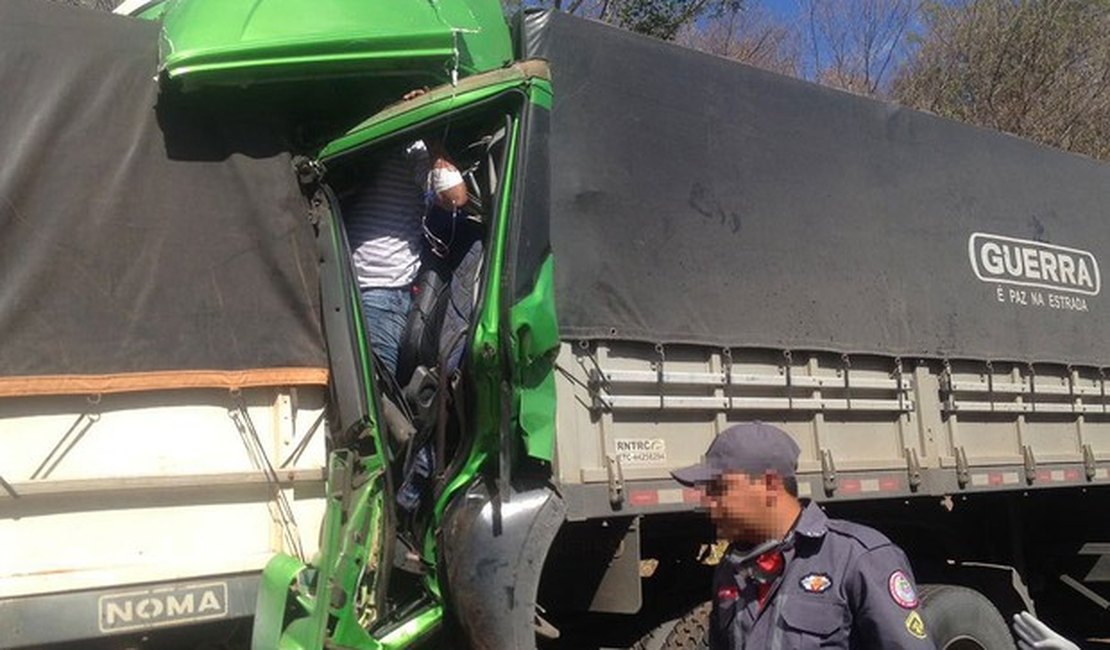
[139,511]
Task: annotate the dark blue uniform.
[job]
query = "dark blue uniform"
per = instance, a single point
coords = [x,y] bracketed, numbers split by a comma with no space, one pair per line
[842,585]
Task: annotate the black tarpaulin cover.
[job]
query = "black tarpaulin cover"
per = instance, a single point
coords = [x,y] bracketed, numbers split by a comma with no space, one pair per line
[141,246]
[697,200]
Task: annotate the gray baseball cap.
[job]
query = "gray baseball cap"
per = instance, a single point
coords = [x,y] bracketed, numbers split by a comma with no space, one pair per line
[752,448]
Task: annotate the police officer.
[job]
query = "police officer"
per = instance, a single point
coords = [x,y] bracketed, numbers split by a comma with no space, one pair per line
[793,578]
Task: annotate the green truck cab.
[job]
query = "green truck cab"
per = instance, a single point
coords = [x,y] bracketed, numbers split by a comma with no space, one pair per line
[379,579]
[360,594]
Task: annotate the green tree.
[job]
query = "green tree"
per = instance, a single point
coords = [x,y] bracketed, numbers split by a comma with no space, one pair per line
[1035,68]
[664,18]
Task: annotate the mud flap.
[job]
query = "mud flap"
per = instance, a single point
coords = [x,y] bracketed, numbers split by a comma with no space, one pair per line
[492,550]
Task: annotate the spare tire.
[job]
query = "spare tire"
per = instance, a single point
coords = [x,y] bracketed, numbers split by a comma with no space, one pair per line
[691,631]
[959,618]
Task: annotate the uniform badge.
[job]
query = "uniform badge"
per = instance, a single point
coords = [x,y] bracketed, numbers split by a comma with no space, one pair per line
[816,583]
[901,590]
[915,626]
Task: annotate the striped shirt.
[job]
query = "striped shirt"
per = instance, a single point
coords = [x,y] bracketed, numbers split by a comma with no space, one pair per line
[383,219]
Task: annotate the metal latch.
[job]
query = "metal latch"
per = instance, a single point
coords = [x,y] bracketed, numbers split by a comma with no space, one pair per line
[596,379]
[1102,387]
[963,473]
[1089,462]
[828,471]
[788,362]
[726,362]
[990,384]
[1071,388]
[1030,463]
[946,388]
[659,377]
[901,388]
[913,468]
[1032,390]
[847,361]
[616,481]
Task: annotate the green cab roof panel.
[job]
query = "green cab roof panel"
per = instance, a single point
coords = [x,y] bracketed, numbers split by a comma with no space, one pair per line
[437,101]
[246,42]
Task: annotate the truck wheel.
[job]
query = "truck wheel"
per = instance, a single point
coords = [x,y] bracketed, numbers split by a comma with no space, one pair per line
[691,631]
[959,618]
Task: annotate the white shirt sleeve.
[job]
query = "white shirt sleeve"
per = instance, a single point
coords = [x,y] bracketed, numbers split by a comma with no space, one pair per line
[420,162]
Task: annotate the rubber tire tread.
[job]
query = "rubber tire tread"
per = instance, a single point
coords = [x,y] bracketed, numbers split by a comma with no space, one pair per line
[951,611]
[691,632]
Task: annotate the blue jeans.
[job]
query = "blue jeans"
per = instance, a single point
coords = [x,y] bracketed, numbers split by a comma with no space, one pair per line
[386,311]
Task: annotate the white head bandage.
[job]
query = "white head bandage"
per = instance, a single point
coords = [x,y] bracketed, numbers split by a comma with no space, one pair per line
[445,178]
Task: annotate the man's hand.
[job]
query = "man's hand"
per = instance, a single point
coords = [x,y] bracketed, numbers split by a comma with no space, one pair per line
[1035,635]
[446,181]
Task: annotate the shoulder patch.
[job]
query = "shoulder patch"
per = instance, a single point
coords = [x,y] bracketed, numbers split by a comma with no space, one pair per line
[868,537]
[915,626]
[901,590]
[815,583]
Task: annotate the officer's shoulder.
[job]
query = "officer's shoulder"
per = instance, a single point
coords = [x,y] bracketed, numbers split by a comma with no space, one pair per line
[866,536]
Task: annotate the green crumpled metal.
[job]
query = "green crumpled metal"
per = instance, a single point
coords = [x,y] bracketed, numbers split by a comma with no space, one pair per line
[535,340]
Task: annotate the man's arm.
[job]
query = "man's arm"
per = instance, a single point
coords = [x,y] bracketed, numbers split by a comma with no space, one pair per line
[442,175]
[883,597]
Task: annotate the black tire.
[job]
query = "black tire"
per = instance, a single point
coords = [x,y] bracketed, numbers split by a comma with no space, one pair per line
[959,618]
[691,631]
